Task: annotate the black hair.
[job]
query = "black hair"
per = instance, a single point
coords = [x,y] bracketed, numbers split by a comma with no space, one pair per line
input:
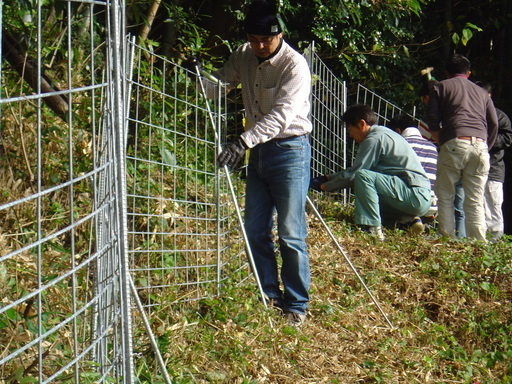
[358,112]
[485,85]
[427,87]
[401,122]
[458,64]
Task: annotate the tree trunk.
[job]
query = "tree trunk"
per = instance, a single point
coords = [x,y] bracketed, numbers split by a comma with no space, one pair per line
[24,66]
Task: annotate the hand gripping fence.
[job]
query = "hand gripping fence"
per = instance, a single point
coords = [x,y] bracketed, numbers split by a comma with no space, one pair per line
[230,183]
[347,259]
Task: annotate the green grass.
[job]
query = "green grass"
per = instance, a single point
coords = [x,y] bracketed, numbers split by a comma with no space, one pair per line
[448,300]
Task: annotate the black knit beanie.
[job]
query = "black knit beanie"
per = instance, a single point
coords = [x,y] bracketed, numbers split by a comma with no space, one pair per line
[262,19]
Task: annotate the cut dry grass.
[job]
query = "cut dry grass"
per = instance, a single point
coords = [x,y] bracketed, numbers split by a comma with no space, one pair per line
[449,303]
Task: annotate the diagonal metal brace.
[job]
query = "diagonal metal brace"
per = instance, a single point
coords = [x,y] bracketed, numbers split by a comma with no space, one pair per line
[347,259]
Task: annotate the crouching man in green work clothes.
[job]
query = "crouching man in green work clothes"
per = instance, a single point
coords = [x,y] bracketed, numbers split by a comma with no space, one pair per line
[390,185]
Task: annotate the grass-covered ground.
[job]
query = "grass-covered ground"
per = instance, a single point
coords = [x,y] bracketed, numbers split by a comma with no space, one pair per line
[449,302]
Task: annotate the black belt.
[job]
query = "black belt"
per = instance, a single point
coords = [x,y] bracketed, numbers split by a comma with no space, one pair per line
[289,137]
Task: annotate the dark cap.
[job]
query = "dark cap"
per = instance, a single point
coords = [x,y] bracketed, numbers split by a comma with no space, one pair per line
[262,19]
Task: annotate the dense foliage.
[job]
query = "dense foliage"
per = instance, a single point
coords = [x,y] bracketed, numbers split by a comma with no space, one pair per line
[381,44]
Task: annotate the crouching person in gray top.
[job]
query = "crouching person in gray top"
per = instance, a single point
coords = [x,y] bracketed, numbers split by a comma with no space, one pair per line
[389,183]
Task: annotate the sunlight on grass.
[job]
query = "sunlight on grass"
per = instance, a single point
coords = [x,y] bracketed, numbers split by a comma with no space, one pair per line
[449,301]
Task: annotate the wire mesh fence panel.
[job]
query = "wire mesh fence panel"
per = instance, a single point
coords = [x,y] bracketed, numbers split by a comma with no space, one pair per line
[330,152]
[385,109]
[61,311]
[184,237]
[182,233]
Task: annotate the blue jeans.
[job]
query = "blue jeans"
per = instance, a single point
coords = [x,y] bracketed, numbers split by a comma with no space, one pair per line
[460,218]
[278,181]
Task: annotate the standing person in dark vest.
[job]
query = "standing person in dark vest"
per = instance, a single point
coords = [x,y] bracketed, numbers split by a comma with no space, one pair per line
[463,121]
[494,186]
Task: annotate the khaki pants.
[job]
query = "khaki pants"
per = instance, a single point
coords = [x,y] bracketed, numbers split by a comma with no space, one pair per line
[467,161]
[493,212]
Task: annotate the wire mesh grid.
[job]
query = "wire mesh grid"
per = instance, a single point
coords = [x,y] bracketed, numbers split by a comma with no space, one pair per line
[331,150]
[385,109]
[59,262]
[183,240]
[75,233]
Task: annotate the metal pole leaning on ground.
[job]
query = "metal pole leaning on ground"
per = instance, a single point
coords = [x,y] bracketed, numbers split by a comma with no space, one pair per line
[230,183]
[147,325]
[319,216]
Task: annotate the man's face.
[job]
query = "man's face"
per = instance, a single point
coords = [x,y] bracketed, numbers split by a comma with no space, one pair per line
[359,131]
[263,46]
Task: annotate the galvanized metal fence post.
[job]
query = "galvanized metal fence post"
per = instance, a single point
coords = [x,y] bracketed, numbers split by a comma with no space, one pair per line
[119,121]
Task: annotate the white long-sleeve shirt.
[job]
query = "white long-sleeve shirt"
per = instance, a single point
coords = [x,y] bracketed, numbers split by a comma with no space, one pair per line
[275,93]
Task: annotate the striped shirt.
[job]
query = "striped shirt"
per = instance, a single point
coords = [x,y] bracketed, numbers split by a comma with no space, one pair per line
[426,151]
[275,93]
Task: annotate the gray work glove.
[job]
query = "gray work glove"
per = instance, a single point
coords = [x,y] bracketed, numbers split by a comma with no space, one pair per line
[232,154]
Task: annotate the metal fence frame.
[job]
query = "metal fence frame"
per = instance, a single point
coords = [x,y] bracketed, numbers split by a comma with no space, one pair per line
[385,109]
[66,309]
[330,145]
[181,237]
[146,222]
